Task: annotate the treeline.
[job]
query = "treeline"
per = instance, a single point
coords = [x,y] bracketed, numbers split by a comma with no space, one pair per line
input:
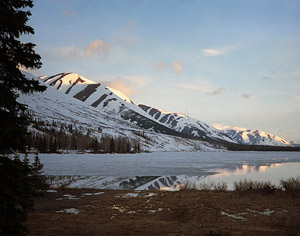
[55,137]
[245,147]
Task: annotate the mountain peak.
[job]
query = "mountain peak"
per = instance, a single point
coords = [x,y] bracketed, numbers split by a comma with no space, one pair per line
[255,137]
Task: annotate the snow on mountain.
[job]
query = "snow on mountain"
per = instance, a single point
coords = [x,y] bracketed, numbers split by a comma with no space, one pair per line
[114,102]
[96,105]
[104,99]
[295,143]
[185,124]
[102,111]
[254,137]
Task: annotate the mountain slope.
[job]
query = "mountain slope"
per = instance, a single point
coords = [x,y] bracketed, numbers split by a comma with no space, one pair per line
[255,137]
[53,105]
[186,125]
[114,102]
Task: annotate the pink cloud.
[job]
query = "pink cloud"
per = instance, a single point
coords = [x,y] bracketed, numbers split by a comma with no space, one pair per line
[177,67]
[97,47]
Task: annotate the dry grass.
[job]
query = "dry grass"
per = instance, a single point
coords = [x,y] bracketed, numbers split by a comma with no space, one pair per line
[205,186]
[291,184]
[166,213]
[254,186]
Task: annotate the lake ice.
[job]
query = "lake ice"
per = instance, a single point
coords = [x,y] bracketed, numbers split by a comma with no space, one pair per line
[170,168]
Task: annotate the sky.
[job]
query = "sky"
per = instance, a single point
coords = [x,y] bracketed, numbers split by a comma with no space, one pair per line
[224,62]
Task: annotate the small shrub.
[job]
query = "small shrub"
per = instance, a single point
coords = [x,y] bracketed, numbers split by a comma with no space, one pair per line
[291,184]
[205,186]
[221,186]
[243,185]
[254,186]
[189,185]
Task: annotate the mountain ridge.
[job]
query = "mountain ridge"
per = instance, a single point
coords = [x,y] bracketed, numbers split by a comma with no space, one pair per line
[114,103]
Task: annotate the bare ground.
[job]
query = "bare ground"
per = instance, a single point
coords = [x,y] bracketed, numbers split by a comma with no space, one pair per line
[186,212]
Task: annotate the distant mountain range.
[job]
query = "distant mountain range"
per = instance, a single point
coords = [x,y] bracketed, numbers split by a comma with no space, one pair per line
[98,105]
[255,137]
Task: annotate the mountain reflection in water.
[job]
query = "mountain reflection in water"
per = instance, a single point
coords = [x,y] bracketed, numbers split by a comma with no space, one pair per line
[243,169]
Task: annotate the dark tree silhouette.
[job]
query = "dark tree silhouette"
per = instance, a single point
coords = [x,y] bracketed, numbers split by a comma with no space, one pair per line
[18,184]
[13,55]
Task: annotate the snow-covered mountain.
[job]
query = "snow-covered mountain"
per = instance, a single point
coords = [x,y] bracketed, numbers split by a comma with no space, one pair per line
[73,98]
[185,124]
[295,143]
[112,101]
[104,112]
[254,137]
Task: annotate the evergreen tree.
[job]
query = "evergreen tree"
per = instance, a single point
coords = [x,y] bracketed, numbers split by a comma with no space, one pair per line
[37,166]
[17,184]
[38,179]
[13,55]
[112,146]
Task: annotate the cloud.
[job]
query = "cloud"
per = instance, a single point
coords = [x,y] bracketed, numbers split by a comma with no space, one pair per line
[246,95]
[213,52]
[267,77]
[125,36]
[68,13]
[97,47]
[177,67]
[129,85]
[217,91]
[201,86]
[270,75]
[121,86]
[160,65]
[70,52]
[298,98]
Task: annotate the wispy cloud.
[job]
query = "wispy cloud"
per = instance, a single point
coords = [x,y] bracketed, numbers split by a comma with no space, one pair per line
[68,13]
[177,67]
[218,91]
[97,47]
[121,86]
[298,97]
[125,36]
[160,65]
[201,86]
[213,52]
[267,77]
[246,96]
[129,85]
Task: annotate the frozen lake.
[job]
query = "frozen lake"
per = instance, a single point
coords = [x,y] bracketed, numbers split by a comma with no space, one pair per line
[159,163]
[167,169]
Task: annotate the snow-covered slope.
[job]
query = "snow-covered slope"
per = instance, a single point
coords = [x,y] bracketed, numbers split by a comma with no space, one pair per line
[295,143]
[73,97]
[104,99]
[186,124]
[255,137]
[91,93]
[54,105]
[111,101]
